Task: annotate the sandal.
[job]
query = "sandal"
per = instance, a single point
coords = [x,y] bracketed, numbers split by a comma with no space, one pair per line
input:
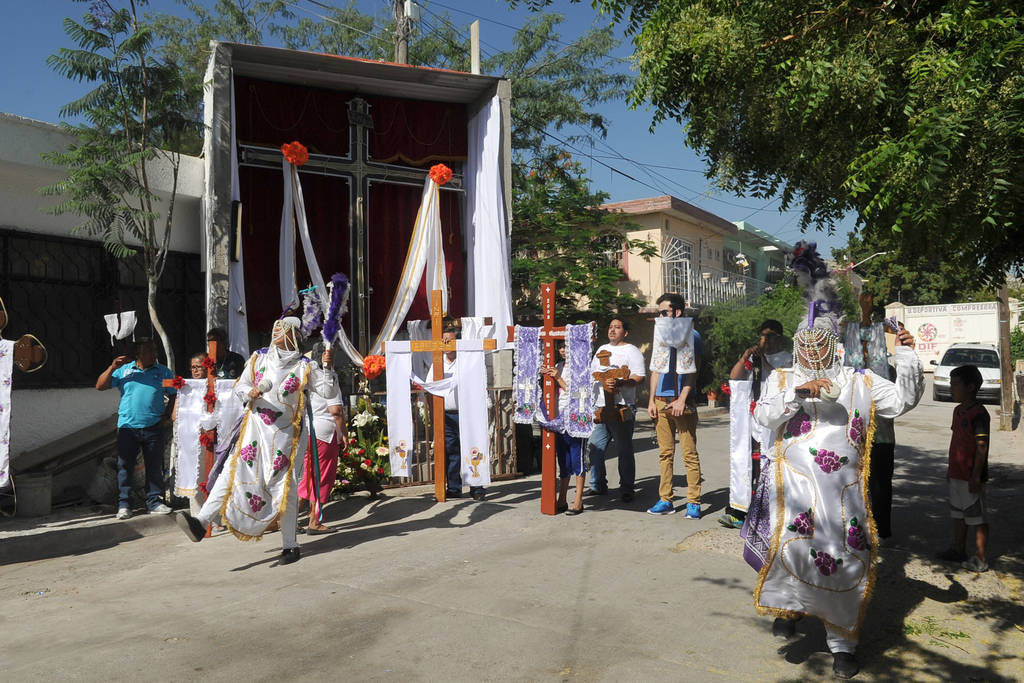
[316,531]
[574,511]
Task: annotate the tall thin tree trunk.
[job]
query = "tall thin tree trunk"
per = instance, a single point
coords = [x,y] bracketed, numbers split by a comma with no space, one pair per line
[155,319]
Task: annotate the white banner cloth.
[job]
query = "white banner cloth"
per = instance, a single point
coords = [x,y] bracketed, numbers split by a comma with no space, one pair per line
[741,428]
[192,417]
[673,333]
[488,289]
[399,406]
[474,435]
[238,322]
[419,330]
[6,368]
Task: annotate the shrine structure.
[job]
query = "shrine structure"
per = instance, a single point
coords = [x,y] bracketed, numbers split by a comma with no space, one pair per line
[372,130]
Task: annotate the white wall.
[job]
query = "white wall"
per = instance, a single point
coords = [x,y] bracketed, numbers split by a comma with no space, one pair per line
[23,172]
[39,416]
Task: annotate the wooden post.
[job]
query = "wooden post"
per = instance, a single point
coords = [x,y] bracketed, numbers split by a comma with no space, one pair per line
[437,348]
[549,332]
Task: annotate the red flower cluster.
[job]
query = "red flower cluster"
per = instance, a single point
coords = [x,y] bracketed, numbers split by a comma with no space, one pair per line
[295,152]
[373,366]
[209,363]
[178,382]
[440,174]
[208,438]
[753,404]
[725,389]
[748,365]
[211,401]
[203,488]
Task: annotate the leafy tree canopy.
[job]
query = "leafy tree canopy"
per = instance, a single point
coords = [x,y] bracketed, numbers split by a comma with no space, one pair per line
[909,113]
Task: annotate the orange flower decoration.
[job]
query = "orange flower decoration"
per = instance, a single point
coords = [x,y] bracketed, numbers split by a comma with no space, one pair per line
[440,174]
[295,152]
[373,366]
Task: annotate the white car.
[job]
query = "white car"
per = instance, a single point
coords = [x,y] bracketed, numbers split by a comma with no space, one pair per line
[984,356]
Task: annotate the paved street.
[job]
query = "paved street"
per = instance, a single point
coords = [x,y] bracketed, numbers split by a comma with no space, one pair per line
[409,589]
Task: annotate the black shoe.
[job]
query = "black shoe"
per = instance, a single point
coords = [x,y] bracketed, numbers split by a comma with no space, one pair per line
[561,507]
[784,628]
[844,665]
[452,494]
[595,492]
[627,497]
[192,527]
[289,555]
[478,494]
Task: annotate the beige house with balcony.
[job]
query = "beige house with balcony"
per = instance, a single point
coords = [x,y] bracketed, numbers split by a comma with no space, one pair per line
[693,248]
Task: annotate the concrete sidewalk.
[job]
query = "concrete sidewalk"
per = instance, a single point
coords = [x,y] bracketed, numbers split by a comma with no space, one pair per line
[412,589]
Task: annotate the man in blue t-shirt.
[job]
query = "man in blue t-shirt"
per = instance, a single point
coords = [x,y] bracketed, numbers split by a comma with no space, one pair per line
[141,419]
[673,408]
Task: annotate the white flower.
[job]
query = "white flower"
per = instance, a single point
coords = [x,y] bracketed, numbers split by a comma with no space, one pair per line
[364,418]
[382,450]
[364,466]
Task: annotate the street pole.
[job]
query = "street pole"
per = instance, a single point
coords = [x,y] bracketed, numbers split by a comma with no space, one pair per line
[1005,372]
[401,33]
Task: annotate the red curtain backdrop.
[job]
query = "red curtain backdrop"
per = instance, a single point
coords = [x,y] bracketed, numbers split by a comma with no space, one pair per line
[327,202]
[410,132]
[392,217]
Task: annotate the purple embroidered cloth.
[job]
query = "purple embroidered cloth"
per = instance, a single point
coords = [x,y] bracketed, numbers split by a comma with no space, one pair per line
[579,415]
[757,529]
[526,388]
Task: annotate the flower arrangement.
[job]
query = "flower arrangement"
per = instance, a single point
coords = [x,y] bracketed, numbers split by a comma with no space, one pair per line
[365,464]
[209,364]
[211,400]
[440,174]
[373,366]
[178,382]
[295,152]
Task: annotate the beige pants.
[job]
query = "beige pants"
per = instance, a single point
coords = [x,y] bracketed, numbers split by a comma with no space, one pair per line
[666,428]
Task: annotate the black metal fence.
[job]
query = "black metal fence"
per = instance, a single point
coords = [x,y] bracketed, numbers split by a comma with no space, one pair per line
[59,289]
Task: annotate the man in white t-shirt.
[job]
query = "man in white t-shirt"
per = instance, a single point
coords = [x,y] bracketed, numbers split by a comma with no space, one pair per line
[624,390]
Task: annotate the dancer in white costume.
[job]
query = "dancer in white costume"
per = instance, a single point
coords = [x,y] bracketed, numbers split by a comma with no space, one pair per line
[820,561]
[259,483]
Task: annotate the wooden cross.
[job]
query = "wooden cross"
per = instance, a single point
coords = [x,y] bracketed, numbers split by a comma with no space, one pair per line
[209,455]
[437,348]
[548,334]
[609,413]
[361,170]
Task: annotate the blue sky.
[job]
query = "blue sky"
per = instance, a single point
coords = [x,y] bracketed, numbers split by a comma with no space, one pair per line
[31,31]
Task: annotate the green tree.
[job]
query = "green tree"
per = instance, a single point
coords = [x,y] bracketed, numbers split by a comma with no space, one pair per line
[913,277]
[560,235]
[136,121]
[910,114]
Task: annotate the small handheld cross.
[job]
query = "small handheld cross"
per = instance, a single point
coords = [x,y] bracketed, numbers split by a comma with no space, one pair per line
[609,413]
[29,353]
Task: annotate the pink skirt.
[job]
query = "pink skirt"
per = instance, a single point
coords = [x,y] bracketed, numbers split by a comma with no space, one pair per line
[329,452]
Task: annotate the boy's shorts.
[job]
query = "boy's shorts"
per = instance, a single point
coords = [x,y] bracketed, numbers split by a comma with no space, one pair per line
[965,505]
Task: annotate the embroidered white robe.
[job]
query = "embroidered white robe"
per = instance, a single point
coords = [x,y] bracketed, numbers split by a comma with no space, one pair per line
[823,547]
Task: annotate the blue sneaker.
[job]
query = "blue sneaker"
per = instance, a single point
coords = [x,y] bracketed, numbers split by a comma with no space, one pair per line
[662,507]
[693,510]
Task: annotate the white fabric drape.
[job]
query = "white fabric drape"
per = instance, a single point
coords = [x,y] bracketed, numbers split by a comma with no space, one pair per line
[120,325]
[673,333]
[426,251]
[474,438]
[419,330]
[399,406]
[473,327]
[192,417]
[286,244]
[238,321]
[6,368]
[488,289]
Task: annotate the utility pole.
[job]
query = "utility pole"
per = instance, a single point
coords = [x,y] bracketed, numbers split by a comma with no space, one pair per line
[1006,373]
[401,33]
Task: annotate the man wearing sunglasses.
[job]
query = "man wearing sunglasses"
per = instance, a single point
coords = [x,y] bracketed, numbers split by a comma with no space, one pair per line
[673,408]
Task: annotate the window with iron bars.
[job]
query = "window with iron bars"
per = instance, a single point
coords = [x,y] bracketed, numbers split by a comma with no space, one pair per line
[59,289]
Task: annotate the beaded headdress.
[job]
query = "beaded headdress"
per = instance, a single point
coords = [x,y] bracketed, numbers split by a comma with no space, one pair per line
[817,335]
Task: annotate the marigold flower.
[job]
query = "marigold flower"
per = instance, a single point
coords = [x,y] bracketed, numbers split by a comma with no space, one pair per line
[373,366]
[295,152]
[440,174]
